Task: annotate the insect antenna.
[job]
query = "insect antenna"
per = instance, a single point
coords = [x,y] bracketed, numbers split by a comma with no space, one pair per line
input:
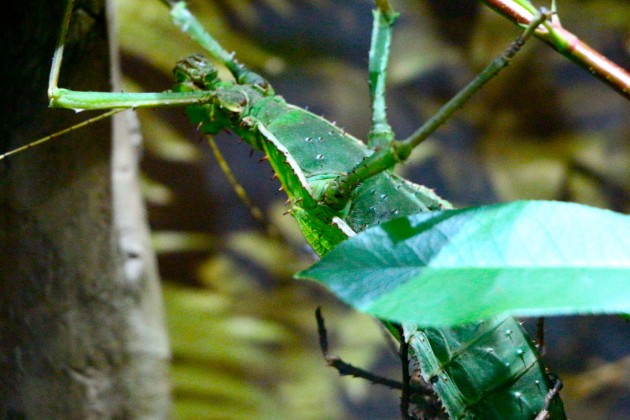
[60,133]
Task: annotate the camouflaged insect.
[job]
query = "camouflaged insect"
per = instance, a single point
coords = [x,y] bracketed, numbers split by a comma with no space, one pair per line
[488,370]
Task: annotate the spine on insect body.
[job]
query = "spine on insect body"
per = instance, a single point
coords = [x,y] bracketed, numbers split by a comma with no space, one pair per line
[489,370]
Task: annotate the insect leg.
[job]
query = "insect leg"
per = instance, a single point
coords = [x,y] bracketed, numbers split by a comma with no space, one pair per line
[188,23]
[540,333]
[344,368]
[493,69]
[65,98]
[57,57]
[385,17]
[113,101]
[544,413]
[398,151]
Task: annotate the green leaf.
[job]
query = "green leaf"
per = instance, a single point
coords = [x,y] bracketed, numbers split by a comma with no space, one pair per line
[526,258]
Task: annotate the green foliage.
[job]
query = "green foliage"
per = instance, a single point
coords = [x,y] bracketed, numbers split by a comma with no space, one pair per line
[528,258]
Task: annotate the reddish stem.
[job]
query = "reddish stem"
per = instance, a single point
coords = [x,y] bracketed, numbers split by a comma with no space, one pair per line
[570,46]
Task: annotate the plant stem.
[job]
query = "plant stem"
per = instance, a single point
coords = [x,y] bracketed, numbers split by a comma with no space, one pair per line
[568,45]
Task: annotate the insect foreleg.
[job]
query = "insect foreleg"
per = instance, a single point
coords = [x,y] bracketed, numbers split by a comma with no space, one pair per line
[189,24]
[65,98]
[53,79]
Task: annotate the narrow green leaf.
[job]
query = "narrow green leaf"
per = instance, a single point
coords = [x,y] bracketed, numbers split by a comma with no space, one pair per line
[526,258]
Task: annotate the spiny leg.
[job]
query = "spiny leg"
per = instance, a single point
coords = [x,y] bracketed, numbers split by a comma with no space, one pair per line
[385,16]
[189,24]
[408,388]
[344,368]
[397,151]
[405,398]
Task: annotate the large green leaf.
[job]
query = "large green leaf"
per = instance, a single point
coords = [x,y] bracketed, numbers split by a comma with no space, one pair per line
[526,258]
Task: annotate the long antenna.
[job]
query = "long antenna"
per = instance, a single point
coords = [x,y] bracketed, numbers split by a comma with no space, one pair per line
[60,133]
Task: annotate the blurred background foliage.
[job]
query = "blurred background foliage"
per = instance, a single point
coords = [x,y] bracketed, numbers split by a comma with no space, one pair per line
[243,332]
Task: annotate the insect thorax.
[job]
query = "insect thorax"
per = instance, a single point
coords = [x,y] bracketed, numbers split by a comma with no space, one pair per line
[228,103]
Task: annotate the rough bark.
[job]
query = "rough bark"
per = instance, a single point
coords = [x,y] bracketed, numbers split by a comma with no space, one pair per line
[81,324]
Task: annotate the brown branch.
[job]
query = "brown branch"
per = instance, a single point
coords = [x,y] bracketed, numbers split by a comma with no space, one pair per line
[569,45]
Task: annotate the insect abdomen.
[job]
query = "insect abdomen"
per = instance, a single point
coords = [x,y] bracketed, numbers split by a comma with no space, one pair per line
[490,367]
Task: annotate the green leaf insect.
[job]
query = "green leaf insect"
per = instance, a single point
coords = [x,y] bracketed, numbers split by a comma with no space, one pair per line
[339,186]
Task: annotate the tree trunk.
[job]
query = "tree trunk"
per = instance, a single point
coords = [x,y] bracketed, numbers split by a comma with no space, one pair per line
[81,324]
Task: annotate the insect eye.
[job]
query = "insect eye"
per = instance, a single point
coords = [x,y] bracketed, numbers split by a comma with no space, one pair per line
[196,70]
